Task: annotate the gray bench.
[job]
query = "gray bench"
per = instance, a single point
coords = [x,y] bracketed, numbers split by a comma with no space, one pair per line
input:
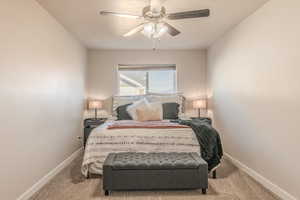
[154,171]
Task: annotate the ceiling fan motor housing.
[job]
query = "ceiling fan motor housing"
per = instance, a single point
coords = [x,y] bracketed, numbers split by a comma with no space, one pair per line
[148,14]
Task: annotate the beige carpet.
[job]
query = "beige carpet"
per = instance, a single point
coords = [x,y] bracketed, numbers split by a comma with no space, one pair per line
[231,184]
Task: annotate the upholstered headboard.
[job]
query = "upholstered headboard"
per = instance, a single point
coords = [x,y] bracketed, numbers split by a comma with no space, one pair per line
[153,97]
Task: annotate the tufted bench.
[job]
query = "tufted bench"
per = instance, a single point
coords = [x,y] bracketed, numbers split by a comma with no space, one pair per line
[154,171]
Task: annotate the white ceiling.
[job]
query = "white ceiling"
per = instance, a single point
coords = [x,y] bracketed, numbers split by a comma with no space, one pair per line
[81,17]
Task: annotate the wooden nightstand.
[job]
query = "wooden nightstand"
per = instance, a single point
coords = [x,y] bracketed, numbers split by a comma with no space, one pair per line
[89,125]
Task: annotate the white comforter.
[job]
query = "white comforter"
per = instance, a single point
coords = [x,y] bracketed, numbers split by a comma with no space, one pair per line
[103,141]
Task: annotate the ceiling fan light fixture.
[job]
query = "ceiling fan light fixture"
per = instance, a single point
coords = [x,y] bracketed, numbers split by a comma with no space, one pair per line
[162,31]
[154,30]
[149,28]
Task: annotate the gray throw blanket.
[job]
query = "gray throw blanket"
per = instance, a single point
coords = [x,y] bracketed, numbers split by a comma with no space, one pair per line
[208,138]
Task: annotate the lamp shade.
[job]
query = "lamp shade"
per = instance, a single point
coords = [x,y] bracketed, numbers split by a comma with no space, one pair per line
[199,104]
[95,104]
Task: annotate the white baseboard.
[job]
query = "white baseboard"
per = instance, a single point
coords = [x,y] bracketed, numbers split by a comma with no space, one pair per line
[262,180]
[43,181]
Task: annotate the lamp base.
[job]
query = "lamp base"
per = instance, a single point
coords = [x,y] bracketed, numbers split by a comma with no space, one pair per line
[95,113]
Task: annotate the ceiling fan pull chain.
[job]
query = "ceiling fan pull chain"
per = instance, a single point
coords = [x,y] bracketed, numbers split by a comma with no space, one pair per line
[153,44]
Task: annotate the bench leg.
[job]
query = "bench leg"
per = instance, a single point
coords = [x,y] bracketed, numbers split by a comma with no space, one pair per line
[106,192]
[203,191]
[214,174]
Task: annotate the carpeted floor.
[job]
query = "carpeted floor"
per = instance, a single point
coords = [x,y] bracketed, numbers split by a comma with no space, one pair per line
[231,184]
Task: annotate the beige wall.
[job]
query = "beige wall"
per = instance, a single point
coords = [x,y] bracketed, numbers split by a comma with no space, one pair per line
[102,69]
[42,72]
[254,85]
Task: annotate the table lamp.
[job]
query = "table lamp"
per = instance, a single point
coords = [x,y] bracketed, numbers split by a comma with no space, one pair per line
[95,105]
[199,104]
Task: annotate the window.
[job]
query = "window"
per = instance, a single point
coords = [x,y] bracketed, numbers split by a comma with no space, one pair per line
[139,80]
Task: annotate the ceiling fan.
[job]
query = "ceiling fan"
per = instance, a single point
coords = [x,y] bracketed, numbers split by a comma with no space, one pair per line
[154,16]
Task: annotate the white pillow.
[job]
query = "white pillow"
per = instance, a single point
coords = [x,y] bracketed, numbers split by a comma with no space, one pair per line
[138,104]
[158,107]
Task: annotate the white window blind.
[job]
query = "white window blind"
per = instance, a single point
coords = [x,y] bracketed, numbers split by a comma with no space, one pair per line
[144,79]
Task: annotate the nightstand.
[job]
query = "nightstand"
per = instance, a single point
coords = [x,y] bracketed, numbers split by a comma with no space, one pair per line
[89,125]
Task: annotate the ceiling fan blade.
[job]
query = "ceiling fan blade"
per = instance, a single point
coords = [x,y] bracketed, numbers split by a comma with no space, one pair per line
[120,14]
[171,30]
[189,14]
[134,31]
[156,5]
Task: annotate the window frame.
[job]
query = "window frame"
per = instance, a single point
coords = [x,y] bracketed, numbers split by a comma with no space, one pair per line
[150,66]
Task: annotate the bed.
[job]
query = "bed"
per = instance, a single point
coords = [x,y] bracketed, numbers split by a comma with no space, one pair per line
[115,136]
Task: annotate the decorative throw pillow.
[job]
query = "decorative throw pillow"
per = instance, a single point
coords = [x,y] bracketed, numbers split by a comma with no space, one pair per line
[122,113]
[138,104]
[149,113]
[159,107]
[170,110]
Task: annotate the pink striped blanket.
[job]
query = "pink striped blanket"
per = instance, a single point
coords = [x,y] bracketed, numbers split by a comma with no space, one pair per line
[129,124]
